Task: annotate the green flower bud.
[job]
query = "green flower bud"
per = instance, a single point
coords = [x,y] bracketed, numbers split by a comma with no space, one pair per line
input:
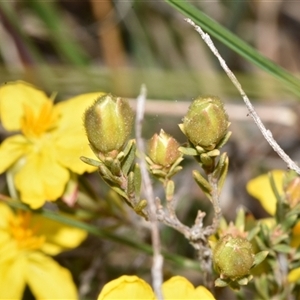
[206,122]
[163,149]
[108,123]
[233,257]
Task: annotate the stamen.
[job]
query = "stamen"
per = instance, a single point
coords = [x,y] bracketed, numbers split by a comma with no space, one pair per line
[25,236]
[35,125]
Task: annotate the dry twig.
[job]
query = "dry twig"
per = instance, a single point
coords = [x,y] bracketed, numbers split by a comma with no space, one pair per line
[265,132]
[157,257]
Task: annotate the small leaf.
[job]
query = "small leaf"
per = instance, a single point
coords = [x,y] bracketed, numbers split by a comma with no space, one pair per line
[261,286]
[137,180]
[289,222]
[224,139]
[213,153]
[220,282]
[121,193]
[128,147]
[283,248]
[223,174]
[240,220]
[107,175]
[243,281]
[259,257]
[284,237]
[206,160]
[174,171]
[129,158]
[158,173]
[170,190]
[219,166]
[139,207]
[260,243]
[115,167]
[188,151]
[130,185]
[91,161]
[175,168]
[202,182]
[253,232]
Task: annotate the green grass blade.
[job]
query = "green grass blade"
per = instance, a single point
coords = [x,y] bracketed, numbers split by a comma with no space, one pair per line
[236,44]
[60,35]
[103,233]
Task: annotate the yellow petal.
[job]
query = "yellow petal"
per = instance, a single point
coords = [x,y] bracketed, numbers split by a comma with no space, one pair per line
[295,242]
[13,96]
[5,215]
[261,189]
[59,237]
[203,293]
[177,287]
[12,278]
[294,275]
[70,147]
[126,287]
[71,141]
[11,150]
[47,279]
[41,179]
[71,111]
[8,248]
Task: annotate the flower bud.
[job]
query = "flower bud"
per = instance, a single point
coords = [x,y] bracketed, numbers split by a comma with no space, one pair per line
[108,123]
[206,122]
[163,149]
[233,257]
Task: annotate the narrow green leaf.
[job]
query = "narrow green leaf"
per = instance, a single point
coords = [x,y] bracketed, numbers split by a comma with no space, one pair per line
[203,184]
[129,159]
[236,44]
[201,181]
[170,190]
[90,161]
[283,248]
[188,151]
[223,174]
[103,233]
[261,286]
[69,49]
[220,283]
[120,192]
[259,257]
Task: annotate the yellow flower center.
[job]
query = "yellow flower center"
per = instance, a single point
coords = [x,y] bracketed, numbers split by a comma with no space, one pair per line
[34,125]
[24,235]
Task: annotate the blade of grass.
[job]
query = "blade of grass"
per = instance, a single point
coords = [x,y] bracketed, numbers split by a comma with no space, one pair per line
[236,44]
[27,50]
[102,233]
[60,35]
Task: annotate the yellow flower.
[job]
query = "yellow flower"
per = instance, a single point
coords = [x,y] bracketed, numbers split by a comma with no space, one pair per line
[179,287]
[260,188]
[133,287]
[294,275]
[26,239]
[52,139]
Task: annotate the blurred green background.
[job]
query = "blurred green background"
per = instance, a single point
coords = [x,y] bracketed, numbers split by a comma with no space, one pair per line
[77,46]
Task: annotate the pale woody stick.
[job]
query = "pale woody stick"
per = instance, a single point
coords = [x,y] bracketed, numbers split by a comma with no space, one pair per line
[157,257]
[265,132]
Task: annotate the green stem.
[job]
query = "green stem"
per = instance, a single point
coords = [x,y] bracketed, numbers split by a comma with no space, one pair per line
[103,233]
